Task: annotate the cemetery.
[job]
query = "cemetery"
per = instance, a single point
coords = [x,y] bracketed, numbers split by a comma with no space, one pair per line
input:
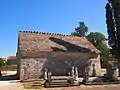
[55,60]
[60,61]
[55,52]
[89,56]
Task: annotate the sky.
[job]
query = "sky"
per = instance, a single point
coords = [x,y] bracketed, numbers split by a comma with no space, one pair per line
[55,16]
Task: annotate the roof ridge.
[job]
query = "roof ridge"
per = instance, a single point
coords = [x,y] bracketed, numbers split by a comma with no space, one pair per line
[46,33]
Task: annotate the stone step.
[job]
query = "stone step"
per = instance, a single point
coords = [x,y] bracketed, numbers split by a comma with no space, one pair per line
[57,84]
[60,77]
[61,84]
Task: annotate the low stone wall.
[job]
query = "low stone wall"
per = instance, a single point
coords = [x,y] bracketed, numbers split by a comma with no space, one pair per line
[58,64]
[9,68]
[12,62]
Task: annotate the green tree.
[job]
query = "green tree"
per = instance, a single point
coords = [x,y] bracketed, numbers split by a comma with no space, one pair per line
[1,64]
[98,40]
[81,30]
[113,27]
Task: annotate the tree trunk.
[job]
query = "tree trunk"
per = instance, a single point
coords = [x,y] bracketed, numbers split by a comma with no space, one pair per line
[0,72]
[119,72]
[119,68]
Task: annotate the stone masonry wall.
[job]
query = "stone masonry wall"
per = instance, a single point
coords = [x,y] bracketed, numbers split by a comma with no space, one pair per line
[57,63]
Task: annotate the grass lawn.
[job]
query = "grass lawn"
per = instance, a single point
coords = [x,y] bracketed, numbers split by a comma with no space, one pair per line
[33,84]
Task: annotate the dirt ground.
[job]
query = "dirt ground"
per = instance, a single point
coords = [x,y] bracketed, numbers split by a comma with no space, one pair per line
[5,85]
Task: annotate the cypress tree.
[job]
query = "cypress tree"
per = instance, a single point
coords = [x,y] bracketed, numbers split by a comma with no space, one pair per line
[113,27]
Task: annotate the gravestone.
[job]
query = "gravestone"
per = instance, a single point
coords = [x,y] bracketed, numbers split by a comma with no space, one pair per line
[111,73]
[85,75]
[49,77]
[94,71]
[72,72]
[76,73]
[46,74]
[48,81]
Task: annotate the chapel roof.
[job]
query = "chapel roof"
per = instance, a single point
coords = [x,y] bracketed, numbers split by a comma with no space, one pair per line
[40,41]
[12,58]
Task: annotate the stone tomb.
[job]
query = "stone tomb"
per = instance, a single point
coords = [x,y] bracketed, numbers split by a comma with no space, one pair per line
[55,81]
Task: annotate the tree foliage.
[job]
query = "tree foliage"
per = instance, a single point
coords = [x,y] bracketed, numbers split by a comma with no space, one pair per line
[98,40]
[113,26]
[1,62]
[81,30]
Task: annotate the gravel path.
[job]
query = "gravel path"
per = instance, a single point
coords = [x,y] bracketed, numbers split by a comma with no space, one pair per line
[10,85]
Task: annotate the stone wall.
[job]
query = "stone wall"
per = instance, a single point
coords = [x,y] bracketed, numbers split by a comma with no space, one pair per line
[58,64]
[12,62]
